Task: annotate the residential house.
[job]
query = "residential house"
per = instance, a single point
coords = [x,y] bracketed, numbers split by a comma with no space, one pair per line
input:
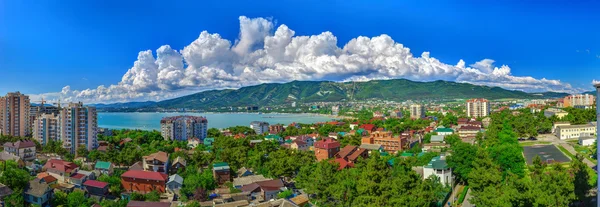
[47,178]
[274,137]
[443,131]
[468,133]
[193,142]
[37,193]
[105,168]
[348,155]
[437,138]
[5,191]
[353,125]
[60,169]
[300,200]
[326,148]
[179,164]
[276,129]
[434,147]
[136,166]
[310,141]
[439,168]
[469,122]
[333,135]
[143,181]
[157,162]
[264,190]
[96,189]
[372,147]
[247,180]
[208,142]
[89,174]
[5,156]
[221,172]
[242,172]
[368,127]
[175,182]
[148,204]
[389,143]
[299,145]
[23,149]
[77,180]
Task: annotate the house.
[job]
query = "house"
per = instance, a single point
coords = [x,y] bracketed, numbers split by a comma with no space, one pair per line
[368,127]
[468,133]
[587,141]
[5,156]
[274,137]
[559,113]
[77,180]
[276,129]
[157,162]
[175,182]
[105,168]
[434,147]
[247,180]
[23,149]
[326,148]
[89,174]
[193,142]
[60,169]
[179,164]
[37,193]
[299,145]
[242,172]
[437,138]
[46,178]
[221,172]
[148,204]
[136,166]
[4,192]
[208,142]
[300,200]
[96,188]
[310,141]
[125,141]
[389,143]
[264,190]
[372,147]
[443,131]
[353,125]
[439,168]
[143,181]
[348,155]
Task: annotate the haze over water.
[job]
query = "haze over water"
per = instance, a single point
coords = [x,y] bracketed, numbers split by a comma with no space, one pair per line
[151,121]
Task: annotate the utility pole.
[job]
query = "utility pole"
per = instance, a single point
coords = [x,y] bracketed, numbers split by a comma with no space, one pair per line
[597,85]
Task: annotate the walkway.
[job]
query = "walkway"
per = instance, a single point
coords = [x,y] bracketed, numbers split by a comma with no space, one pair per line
[571,150]
[466,202]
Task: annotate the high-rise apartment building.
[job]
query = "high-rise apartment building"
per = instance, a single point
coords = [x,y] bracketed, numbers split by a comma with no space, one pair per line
[14,115]
[579,100]
[478,107]
[45,128]
[417,111]
[36,111]
[78,126]
[260,127]
[183,128]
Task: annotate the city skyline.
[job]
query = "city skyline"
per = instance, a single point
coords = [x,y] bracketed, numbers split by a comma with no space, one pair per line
[94,58]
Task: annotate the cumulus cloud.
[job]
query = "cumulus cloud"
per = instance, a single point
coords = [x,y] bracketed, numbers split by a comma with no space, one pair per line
[263,54]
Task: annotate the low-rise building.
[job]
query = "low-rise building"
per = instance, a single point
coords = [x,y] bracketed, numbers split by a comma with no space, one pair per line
[264,190]
[96,188]
[468,133]
[222,172]
[439,168]
[299,145]
[178,165]
[576,131]
[105,168]
[37,193]
[443,131]
[559,113]
[388,142]
[157,162]
[23,149]
[276,128]
[348,155]
[326,148]
[175,182]
[60,169]
[143,181]
[587,141]
[148,204]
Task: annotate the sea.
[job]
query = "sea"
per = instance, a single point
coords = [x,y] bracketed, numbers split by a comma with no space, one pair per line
[151,120]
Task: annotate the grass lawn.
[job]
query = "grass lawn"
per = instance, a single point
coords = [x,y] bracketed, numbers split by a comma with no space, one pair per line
[566,152]
[523,144]
[586,151]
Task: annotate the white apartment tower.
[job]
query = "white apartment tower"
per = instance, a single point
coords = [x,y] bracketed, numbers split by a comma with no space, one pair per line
[45,128]
[78,126]
[478,107]
[14,115]
[182,128]
[417,111]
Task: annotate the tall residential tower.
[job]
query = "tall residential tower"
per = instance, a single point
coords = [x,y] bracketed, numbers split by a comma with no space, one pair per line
[182,128]
[78,126]
[478,107]
[14,115]
[417,111]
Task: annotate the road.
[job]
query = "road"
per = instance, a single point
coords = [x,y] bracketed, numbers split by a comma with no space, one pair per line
[466,202]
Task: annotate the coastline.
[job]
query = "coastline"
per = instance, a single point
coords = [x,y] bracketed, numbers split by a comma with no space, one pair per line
[276,113]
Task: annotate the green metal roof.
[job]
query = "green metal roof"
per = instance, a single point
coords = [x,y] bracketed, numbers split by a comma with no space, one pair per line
[209,141]
[220,164]
[406,154]
[442,129]
[102,165]
[437,163]
[273,136]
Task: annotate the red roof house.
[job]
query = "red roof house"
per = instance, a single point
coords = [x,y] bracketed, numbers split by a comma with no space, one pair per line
[144,181]
[326,148]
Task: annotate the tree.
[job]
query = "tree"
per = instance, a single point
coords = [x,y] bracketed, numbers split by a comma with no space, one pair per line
[77,199]
[137,197]
[461,160]
[285,194]
[582,176]
[152,196]
[82,151]
[200,195]
[14,177]
[15,199]
[213,132]
[59,199]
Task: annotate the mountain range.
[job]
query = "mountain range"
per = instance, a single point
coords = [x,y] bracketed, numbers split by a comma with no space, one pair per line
[269,94]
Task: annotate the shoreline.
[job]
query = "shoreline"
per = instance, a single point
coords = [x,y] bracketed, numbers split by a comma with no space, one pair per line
[277,113]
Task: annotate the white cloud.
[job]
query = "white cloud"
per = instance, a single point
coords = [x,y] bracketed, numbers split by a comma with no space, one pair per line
[260,55]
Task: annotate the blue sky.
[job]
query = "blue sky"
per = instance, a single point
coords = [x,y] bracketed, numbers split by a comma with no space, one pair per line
[84,44]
